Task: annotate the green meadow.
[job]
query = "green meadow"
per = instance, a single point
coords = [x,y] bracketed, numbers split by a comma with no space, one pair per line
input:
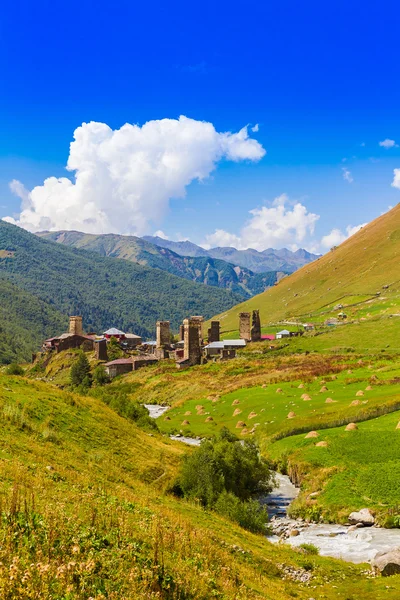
[356,468]
[286,407]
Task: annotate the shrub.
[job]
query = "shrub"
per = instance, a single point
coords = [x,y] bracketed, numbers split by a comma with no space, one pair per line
[80,372]
[309,549]
[100,376]
[249,514]
[223,474]
[15,369]
[114,350]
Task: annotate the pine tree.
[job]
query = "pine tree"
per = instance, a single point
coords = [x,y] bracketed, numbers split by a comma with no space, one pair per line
[80,371]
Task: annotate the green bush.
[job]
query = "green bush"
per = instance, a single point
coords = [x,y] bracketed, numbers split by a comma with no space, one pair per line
[118,398]
[100,376]
[223,474]
[15,369]
[309,549]
[249,514]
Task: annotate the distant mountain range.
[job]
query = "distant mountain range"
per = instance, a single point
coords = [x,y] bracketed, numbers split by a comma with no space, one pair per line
[42,282]
[201,268]
[259,262]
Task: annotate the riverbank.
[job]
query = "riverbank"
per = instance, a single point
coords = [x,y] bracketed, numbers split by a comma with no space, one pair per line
[348,542]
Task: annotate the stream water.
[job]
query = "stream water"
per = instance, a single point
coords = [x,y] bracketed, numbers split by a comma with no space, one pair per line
[339,541]
[155,411]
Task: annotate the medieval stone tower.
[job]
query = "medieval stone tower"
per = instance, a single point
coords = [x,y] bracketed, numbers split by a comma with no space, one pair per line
[256,326]
[244,326]
[192,349]
[213,332]
[163,334]
[75,325]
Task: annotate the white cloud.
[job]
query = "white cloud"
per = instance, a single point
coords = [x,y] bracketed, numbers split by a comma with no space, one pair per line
[347,175]
[396,179]
[159,233]
[283,224]
[388,144]
[336,236]
[123,179]
[255,128]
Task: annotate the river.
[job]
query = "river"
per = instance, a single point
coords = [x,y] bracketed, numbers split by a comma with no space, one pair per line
[338,541]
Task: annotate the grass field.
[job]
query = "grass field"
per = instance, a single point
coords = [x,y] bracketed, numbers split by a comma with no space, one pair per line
[355,469]
[85,516]
[267,406]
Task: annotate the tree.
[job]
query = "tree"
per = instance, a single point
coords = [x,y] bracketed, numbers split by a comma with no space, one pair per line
[223,474]
[80,372]
[114,349]
[100,376]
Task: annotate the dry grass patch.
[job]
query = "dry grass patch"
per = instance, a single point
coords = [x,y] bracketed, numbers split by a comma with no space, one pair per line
[312,434]
[240,425]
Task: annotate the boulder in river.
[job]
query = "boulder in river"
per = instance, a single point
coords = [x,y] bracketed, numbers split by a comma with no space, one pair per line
[363,516]
[387,562]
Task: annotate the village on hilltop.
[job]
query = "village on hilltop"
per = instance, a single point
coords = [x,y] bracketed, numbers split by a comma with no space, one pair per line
[190,349]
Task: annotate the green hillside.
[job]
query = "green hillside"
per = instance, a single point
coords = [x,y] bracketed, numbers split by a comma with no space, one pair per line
[25,320]
[360,277]
[203,269]
[105,291]
[85,515]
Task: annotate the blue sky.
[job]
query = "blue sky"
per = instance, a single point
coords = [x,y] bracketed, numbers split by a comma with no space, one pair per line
[320,79]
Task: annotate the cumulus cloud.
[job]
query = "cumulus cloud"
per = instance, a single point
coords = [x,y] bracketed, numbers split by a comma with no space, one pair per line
[388,144]
[282,224]
[336,236]
[255,128]
[123,179]
[396,179]
[347,175]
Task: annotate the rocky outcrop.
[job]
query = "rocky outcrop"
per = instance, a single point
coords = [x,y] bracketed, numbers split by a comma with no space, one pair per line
[363,516]
[387,562]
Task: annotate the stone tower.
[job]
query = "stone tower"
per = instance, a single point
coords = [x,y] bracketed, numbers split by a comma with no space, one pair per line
[192,349]
[244,326]
[163,334]
[256,326]
[213,332]
[199,320]
[75,325]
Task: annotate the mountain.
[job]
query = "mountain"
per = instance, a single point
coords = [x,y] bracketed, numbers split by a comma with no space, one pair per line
[25,320]
[269,260]
[105,291]
[362,275]
[202,269]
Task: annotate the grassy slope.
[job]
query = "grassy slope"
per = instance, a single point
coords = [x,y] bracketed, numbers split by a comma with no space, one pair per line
[253,382]
[104,290]
[84,516]
[214,272]
[352,273]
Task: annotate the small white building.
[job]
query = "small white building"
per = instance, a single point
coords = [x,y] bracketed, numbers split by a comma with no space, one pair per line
[225,348]
[282,334]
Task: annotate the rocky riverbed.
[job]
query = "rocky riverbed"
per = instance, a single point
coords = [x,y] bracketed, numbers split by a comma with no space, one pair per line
[349,542]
